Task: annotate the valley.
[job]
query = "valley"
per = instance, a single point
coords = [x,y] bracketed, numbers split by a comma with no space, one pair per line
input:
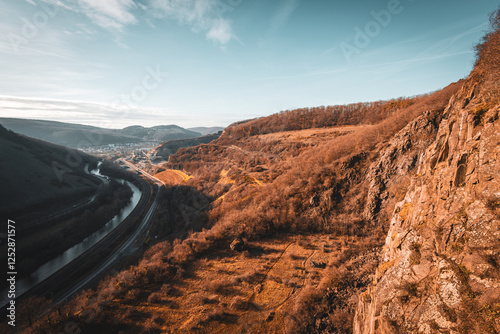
[366,218]
[308,242]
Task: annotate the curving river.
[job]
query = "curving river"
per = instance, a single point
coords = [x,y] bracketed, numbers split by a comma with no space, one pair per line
[51,267]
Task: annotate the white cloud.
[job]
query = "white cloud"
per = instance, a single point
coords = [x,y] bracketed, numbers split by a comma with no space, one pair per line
[220,32]
[201,15]
[108,14]
[88,113]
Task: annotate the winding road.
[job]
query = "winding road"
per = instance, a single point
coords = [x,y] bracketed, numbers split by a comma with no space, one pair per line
[96,262]
[126,248]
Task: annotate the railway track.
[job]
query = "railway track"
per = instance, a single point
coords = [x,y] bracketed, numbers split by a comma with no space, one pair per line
[95,263]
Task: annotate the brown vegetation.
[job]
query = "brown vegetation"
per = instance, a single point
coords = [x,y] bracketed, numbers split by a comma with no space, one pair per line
[299,205]
[259,188]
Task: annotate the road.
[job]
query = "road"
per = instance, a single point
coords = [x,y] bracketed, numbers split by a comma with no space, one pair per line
[97,261]
[126,248]
[154,179]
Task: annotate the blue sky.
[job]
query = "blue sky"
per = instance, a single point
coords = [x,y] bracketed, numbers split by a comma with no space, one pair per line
[115,63]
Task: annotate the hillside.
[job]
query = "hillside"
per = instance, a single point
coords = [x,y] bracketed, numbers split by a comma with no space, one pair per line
[165,150]
[377,217]
[54,200]
[160,133]
[36,174]
[297,200]
[82,136]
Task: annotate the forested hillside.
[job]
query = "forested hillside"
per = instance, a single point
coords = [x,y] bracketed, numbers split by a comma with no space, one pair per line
[370,218]
[296,198]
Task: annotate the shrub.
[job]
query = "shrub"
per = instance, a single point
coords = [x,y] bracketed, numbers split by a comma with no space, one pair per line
[222,286]
[493,204]
[219,314]
[415,253]
[241,304]
[154,297]
[408,290]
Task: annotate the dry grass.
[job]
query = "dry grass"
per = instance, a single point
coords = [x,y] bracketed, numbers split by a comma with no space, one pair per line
[219,292]
[308,135]
[225,179]
[173,177]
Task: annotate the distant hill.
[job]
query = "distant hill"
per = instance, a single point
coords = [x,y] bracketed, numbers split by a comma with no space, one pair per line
[159,133]
[168,148]
[207,130]
[36,173]
[80,136]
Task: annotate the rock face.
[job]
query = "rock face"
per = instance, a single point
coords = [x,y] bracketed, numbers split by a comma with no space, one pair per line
[440,267]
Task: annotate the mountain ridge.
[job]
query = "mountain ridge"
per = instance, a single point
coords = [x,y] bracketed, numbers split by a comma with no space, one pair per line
[84,136]
[207,130]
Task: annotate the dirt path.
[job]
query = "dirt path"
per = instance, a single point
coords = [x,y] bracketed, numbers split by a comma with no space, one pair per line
[268,271]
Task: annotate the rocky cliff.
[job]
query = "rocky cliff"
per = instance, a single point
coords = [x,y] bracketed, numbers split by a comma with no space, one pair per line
[440,266]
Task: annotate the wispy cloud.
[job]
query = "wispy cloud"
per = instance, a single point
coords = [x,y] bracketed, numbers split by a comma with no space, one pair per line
[113,14]
[109,14]
[203,16]
[7,48]
[447,43]
[82,112]
[220,32]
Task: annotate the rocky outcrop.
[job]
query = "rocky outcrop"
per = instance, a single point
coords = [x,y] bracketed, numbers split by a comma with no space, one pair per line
[389,175]
[440,267]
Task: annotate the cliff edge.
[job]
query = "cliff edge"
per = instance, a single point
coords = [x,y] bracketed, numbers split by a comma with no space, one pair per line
[440,266]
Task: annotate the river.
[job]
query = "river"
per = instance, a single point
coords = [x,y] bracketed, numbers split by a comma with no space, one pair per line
[51,267]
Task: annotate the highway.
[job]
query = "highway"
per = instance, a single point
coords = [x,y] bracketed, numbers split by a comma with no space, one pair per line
[97,261]
[126,248]
[154,179]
